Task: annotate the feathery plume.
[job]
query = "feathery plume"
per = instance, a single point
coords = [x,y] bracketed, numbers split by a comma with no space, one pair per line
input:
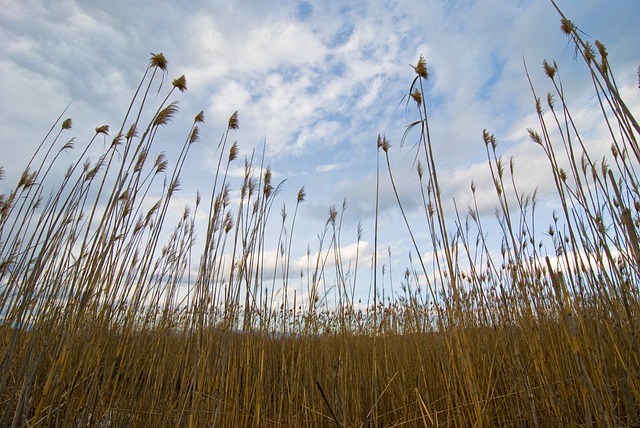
[233,121]
[67,123]
[180,83]
[421,68]
[104,129]
[158,61]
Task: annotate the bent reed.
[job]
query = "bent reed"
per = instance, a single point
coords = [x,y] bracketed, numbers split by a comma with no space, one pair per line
[103,324]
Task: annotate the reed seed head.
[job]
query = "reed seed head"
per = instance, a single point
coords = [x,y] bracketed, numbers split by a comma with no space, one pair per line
[417,97]
[166,114]
[550,100]
[421,68]
[233,152]
[195,135]
[132,132]
[301,195]
[567,26]
[67,123]
[489,138]
[27,179]
[158,61]
[142,157]
[104,129]
[117,140]
[233,121]
[535,137]
[589,53]
[199,117]
[161,163]
[548,69]
[180,83]
[385,144]
[228,223]
[601,49]
[173,187]
[333,214]
[563,175]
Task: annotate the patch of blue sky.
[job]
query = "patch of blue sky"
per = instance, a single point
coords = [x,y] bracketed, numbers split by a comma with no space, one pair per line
[487,88]
[335,66]
[304,10]
[290,73]
[341,37]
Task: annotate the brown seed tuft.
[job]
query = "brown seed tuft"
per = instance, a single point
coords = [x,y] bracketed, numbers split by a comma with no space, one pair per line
[563,174]
[158,61]
[142,158]
[385,144]
[548,69]
[421,68]
[233,121]
[104,129]
[535,137]
[550,100]
[180,83]
[417,97]
[567,26]
[589,53]
[199,117]
[166,114]
[132,132]
[602,50]
[233,152]
[614,151]
[161,163]
[117,140]
[228,223]
[301,195]
[333,214]
[195,135]
[67,123]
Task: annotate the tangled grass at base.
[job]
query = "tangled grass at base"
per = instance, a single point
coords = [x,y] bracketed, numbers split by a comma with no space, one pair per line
[95,330]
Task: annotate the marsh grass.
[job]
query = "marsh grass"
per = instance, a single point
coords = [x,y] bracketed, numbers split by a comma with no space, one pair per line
[102,325]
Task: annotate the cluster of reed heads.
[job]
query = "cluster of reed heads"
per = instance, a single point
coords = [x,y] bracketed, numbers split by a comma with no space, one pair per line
[108,320]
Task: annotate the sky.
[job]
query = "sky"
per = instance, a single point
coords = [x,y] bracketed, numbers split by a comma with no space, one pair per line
[315,82]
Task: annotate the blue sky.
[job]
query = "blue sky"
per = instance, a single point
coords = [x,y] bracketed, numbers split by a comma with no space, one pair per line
[316,80]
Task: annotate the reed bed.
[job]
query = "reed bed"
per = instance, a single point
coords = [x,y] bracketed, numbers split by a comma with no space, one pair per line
[108,320]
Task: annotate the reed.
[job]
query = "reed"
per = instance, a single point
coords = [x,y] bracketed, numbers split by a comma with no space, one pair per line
[110,320]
